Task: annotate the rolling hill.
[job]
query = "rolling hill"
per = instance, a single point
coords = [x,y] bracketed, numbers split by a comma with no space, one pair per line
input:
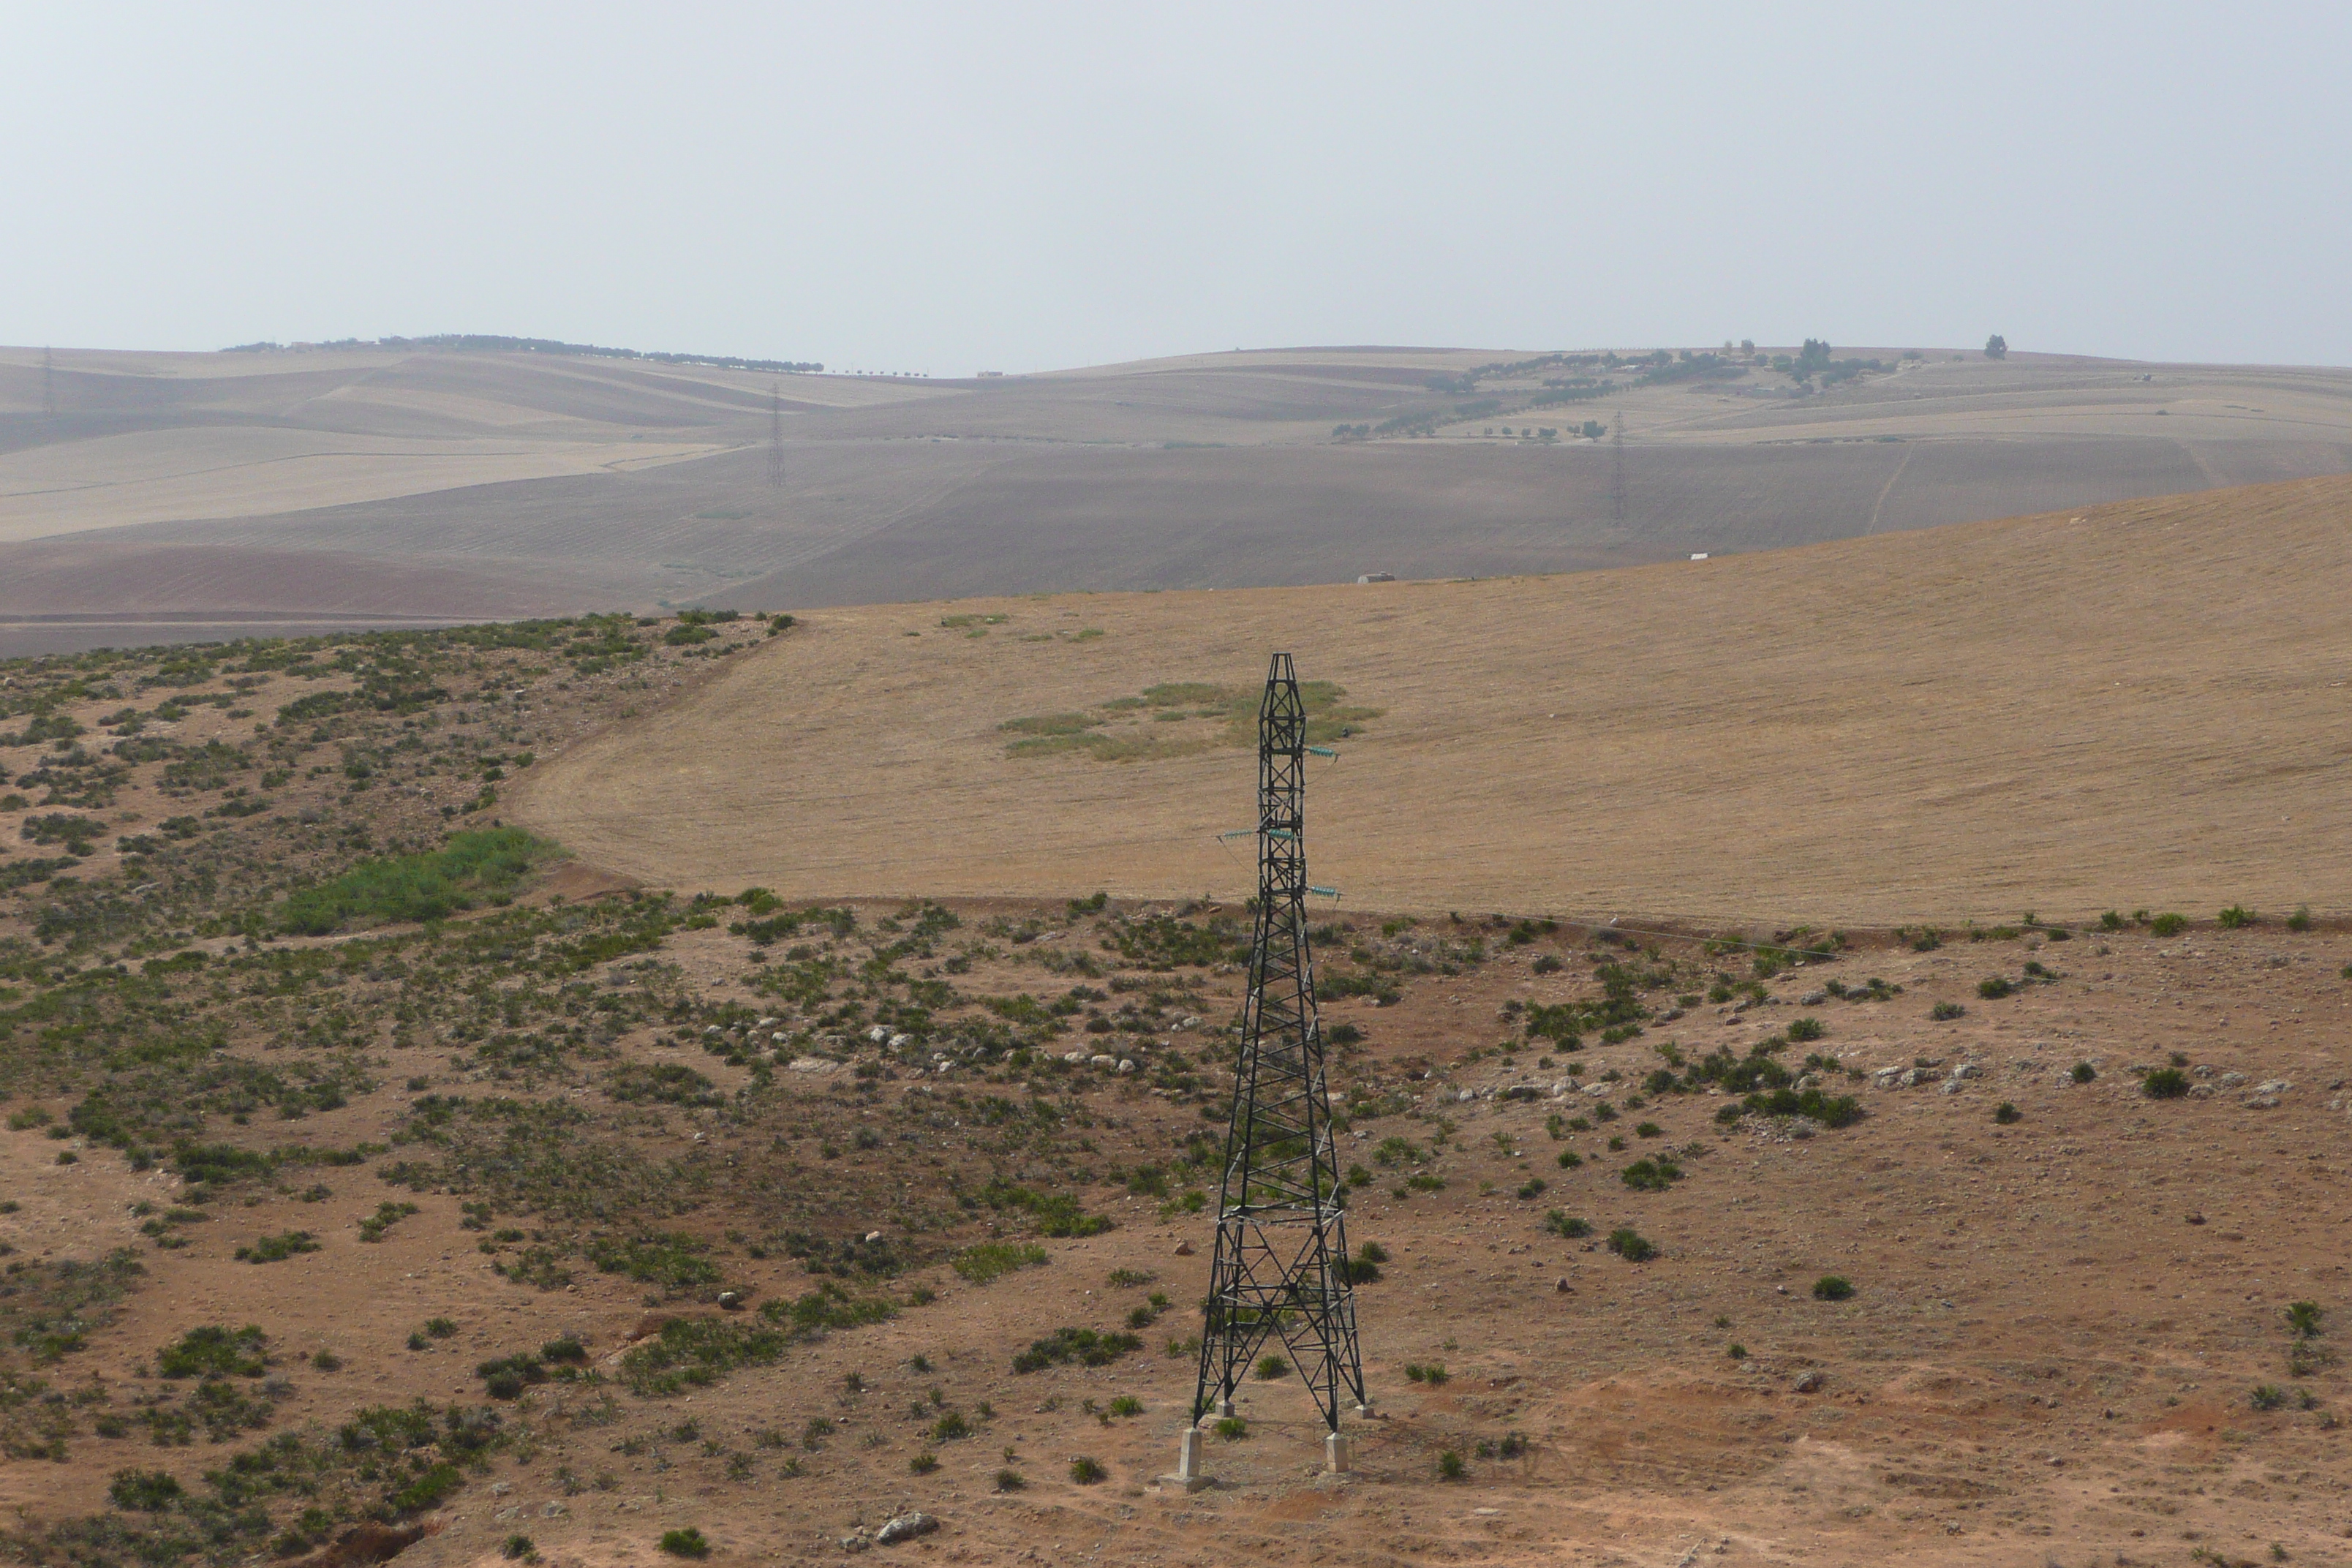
[187,495]
[2143,703]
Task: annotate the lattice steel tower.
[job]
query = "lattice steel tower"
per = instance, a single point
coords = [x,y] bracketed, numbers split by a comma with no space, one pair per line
[1281,1266]
[775,436]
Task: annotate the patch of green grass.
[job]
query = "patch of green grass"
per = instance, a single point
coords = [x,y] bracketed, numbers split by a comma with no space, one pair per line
[1832,1288]
[2236,917]
[386,1216]
[1945,1012]
[2164,1083]
[482,863]
[990,1260]
[1086,1471]
[1567,1225]
[687,1543]
[2169,924]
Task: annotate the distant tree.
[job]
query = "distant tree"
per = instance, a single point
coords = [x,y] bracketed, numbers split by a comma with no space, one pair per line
[1748,345]
[1996,347]
[1813,356]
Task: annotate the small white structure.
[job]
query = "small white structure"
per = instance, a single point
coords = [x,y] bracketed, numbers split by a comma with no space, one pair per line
[1377,577]
[1698,555]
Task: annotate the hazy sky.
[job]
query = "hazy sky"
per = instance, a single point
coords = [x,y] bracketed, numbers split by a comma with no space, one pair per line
[1014,187]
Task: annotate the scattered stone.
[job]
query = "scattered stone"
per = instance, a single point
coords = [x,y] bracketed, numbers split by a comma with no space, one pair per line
[1812,998]
[906,1527]
[1126,1065]
[1967,1070]
[1810,1383]
[1102,1061]
[1183,1250]
[1562,1286]
[2204,1069]
[2233,1079]
[731,1300]
[809,1064]
[2197,1218]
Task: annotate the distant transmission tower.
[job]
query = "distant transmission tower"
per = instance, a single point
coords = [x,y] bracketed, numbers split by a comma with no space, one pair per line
[1617,468]
[775,436]
[48,385]
[1281,1266]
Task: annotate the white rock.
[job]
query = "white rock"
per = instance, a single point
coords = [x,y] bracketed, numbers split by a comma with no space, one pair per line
[810,1063]
[1126,1065]
[877,1034]
[1102,1061]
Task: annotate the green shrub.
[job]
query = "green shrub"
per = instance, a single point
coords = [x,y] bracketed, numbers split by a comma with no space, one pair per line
[2267,1396]
[1632,1245]
[1010,1480]
[1531,1188]
[923,1463]
[518,1548]
[1127,1405]
[1832,1288]
[1945,1012]
[1569,1159]
[993,1259]
[1993,988]
[1566,1224]
[1806,1029]
[1231,1429]
[1271,1367]
[2300,919]
[2111,921]
[687,1543]
[1434,1374]
[2236,916]
[2005,1114]
[1084,1346]
[2169,925]
[2303,1318]
[213,1352]
[2164,1083]
[2083,1072]
[1449,1466]
[1087,1471]
[148,1491]
[1648,1175]
[276,1248]
[484,863]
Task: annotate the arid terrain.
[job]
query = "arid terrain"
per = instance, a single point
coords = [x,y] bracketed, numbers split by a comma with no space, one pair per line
[2146,701]
[149,497]
[526,1092]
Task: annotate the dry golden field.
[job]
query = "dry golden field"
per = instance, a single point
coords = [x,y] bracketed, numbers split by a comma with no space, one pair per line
[2143,704]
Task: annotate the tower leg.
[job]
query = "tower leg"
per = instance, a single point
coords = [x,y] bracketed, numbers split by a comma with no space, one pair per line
[1189,1474]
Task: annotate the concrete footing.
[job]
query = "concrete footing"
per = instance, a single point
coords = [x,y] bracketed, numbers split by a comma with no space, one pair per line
[1189,1474]
[1334,1454]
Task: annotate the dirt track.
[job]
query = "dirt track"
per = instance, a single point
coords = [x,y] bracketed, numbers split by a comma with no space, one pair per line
[2141,705]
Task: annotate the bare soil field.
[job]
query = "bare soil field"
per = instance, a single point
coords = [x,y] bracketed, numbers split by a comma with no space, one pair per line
[587,1212]
[2141,703]
[613,482]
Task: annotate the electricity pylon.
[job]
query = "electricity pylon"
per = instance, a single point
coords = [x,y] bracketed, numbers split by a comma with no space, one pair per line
[1617,470]
[1281,1269]
[775,437]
